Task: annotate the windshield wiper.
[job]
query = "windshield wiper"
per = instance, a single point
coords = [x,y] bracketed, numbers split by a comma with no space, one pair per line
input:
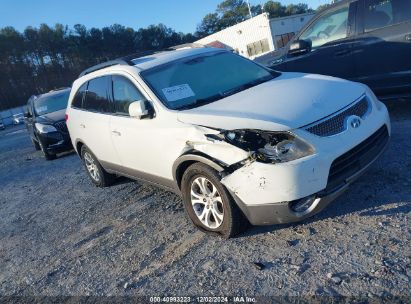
[204,101]
[201,102]
[247,85]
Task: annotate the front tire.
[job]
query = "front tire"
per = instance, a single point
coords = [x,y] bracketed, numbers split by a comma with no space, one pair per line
[95,171]
[35,144]
[46,154]
[208,203]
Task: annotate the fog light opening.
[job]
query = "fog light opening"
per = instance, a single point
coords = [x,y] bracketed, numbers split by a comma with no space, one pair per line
[302,205]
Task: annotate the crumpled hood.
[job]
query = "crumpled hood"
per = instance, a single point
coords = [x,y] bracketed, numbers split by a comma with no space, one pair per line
[287,102]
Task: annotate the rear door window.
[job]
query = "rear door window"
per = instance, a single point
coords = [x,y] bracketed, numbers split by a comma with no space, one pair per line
[124,93]
[96,99]
[383,13]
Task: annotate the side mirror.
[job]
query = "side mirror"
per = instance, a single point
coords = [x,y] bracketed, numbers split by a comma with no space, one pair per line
[138,109]
[299,47]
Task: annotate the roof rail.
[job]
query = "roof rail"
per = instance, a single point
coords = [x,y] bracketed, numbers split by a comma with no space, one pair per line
[128,60]
[102,66]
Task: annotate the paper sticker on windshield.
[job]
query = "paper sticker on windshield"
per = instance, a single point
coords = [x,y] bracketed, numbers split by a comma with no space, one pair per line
[42,109]
[178,92]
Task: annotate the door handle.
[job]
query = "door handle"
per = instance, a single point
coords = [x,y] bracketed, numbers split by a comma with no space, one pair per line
[82,126]
[117,133]
[408,38]
[342,53]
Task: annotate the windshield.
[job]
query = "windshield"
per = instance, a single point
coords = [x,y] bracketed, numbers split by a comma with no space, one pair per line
[328,28]
[198,80]
[51,103]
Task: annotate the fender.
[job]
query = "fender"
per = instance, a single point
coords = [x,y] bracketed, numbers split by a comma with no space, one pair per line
[193,156]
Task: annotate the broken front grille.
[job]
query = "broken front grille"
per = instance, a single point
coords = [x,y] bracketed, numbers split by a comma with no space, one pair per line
[357,158]
[61,126]
[337,123]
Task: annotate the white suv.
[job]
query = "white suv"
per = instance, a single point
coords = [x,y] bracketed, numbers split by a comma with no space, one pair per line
[240,143]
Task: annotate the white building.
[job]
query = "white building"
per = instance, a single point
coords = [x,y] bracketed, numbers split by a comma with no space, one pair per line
[258,35]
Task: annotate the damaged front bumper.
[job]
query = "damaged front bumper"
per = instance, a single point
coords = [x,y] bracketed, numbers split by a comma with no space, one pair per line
[266,193]
[281,213]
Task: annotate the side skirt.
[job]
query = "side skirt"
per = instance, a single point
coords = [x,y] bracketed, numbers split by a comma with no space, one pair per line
[161,182]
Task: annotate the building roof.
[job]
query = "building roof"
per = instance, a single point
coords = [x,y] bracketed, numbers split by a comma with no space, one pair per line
[219,45]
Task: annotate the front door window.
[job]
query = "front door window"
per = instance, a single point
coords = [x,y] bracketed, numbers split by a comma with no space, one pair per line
[329,27]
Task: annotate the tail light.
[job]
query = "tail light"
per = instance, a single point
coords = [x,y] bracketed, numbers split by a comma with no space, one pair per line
[66,116]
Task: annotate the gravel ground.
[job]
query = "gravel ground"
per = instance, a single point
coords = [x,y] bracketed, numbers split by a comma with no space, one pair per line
[59,235]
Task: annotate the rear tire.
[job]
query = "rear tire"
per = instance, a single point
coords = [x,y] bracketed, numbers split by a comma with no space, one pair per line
[46,154]
[208,203]
[99,177]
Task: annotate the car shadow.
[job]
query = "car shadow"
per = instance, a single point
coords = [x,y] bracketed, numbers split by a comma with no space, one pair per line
[356,200]
[122,180]
[66,154]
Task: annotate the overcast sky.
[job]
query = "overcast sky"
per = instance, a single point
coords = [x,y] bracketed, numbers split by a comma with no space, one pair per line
[181,15]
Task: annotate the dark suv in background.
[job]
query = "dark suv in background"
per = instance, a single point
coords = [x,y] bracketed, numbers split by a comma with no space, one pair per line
[368,41]
[45,122]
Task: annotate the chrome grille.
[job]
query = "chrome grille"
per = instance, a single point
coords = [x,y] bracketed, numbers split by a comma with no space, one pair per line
[61,126]
[336,124]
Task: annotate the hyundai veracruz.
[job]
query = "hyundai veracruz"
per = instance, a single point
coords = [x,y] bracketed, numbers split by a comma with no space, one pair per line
[241,143]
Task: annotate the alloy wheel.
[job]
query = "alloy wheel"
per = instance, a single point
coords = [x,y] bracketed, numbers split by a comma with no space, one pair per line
[91,167]
[207,202]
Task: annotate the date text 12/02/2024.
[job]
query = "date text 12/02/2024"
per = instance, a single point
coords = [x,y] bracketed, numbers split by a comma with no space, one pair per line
[200,299]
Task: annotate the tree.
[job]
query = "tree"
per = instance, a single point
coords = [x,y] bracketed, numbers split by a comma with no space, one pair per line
[274,9]
[45,58]
[231,12]
[209,25]
[227,13]
[295,9]
[322,7]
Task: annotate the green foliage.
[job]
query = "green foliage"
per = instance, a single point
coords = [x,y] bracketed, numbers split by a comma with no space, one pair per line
[275,9]
[44,58]
[228,13]
[322,7]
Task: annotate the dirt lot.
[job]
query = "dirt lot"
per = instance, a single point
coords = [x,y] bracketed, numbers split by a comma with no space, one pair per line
[59,235]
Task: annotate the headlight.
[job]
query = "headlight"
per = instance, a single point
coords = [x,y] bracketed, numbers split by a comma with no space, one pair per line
[370,94]
[274,147]
[45,128]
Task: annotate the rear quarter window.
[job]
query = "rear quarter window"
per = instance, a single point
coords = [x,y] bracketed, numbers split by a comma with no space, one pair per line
[96,97]
[78,98]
